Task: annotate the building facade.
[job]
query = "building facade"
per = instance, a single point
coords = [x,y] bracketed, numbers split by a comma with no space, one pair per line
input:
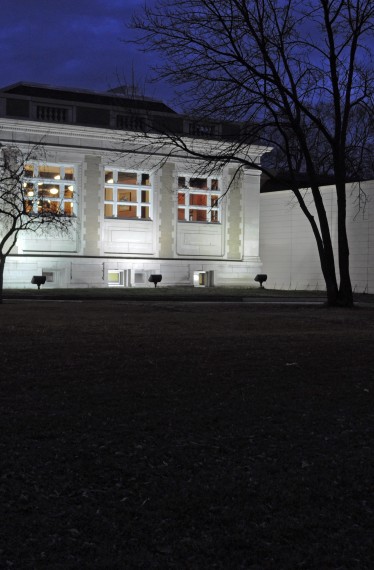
[134,212]
[288,248]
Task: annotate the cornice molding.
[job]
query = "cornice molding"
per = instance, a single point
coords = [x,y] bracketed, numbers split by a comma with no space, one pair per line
[60,130]
[101,139]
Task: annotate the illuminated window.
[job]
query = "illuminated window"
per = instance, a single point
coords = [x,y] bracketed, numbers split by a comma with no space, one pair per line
[115,278]
[49,189]
[127,195]
[198,199]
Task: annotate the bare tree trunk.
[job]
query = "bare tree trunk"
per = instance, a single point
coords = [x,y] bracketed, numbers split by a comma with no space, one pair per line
[326,250]
[324,243]
[345,296]
[2,265]
[329,274]
[326,256]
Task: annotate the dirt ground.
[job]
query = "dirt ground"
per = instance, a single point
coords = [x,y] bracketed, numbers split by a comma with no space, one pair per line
[188,436]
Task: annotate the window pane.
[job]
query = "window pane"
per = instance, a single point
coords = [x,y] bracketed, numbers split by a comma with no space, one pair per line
[127,196]
[48,206]
[215,201]
[28,189]
[126,211]
[214,184]
[47,190]
[181,198]
[54,191]
[29,170]
[145,180]
[69,173]
[145,196]
[181,182]
[127,178]
[68,208]
[48,171]
[201,183]
[198,215]
[28,206]
[181,214]
[108,210]
[68,191]
[109,194]
[214,216]
[54,206]
[198,199]
[145,213]
[109,176]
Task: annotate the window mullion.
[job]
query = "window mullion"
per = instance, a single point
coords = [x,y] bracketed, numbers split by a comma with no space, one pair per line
[138,201]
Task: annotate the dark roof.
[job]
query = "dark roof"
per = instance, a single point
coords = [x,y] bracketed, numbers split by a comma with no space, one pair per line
[85,96]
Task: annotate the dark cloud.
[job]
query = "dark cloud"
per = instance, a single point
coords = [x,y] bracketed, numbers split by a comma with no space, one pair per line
[77,43]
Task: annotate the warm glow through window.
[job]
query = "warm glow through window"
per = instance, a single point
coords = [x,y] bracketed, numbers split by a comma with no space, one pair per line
[47,191]
[127,195]
[199,199]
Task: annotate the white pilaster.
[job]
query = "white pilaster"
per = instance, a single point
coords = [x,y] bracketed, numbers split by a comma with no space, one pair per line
[251,214]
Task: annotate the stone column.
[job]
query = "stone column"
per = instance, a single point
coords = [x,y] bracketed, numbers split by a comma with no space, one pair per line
[234,218]
[91,205]
[251,214]
[167,211]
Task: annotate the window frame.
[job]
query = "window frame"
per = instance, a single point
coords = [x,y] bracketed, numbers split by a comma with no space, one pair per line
[112,183]
[188,193]
[34,196]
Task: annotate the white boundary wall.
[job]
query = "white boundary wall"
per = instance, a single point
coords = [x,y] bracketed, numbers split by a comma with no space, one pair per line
[288,249]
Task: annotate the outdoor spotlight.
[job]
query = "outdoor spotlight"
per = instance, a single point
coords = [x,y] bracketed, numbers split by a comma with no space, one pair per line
[261,278]
[38,280]
[155,279]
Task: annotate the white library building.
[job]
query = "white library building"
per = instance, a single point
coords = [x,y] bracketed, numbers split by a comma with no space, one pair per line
[137,213]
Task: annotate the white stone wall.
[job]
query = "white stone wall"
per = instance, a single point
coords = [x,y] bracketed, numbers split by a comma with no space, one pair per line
[80,272]
[200,239]
[287,245]
[128,237]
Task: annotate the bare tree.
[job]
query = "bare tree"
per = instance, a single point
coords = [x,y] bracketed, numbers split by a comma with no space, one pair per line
[19,211]
[297,75]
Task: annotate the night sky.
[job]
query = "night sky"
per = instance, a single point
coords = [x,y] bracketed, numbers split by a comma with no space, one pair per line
[73,43]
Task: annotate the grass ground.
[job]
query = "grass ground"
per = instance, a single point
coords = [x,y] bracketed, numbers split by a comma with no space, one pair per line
[171,435]
[158,293]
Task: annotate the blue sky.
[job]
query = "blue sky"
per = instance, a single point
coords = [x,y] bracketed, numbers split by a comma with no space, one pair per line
[72,43]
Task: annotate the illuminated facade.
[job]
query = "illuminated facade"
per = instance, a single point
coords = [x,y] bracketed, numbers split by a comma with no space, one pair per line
[134,212]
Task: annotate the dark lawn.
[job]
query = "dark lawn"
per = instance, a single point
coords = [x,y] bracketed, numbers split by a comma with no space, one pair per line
[186,436]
